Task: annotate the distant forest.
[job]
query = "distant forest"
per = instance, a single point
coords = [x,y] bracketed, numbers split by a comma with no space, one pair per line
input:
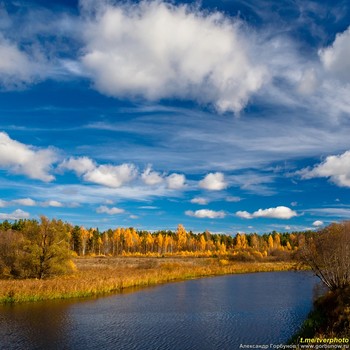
[130,241]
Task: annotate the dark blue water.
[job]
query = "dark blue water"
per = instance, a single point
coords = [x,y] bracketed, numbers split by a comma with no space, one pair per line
[210,313]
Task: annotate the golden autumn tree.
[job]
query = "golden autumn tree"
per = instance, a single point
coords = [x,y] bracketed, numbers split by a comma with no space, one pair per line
[48,249]
[202,243]
[99,244]
[168,244]
[241,241]
[136,240]
[277,241]
[149,242]
[220,247]
[85,235]
[270,242]
[254,242]
[181,235]
[244,241]
[116,237]
[128,239]
[160,242]
[12,253]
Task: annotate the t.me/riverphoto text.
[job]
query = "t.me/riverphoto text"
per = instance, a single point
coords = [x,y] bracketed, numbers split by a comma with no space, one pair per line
[330,341]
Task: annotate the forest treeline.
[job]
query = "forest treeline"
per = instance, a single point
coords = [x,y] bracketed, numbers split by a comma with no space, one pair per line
[39,249]
[124,241]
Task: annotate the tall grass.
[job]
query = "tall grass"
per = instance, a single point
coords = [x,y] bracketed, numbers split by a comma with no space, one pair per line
[100,275]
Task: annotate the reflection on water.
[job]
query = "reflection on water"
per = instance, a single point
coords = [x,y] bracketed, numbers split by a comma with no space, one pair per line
[211,313]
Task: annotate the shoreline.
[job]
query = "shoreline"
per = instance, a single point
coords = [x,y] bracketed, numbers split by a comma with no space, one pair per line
[328,319]
[97,276]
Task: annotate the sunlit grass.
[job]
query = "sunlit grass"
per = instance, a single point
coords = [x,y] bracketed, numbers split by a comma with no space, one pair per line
[101,275]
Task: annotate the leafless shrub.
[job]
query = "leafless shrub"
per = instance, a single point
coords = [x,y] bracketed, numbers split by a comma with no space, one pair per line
[328,254]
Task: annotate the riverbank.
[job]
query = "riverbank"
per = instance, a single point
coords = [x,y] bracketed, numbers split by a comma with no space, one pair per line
[102,275]
[329,319]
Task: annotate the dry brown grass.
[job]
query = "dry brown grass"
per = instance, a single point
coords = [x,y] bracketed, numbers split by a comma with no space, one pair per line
[100,275]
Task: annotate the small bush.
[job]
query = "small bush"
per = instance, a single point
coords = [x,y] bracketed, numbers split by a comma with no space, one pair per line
[243,257]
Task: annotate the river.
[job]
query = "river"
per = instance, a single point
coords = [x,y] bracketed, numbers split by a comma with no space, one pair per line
[210,313]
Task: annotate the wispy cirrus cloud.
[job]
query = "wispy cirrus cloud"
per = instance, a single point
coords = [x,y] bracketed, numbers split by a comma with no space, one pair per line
[233,199]
[37,43]
[83,194]
[29,202]
[343,213]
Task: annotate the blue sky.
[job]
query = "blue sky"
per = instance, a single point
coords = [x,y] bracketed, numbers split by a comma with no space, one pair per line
[231,116]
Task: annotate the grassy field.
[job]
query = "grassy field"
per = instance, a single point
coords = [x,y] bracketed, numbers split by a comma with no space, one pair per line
[102,275]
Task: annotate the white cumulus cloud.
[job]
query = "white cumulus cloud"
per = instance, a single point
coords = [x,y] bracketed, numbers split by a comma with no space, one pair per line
[337,168]
[158,50]
[52,203]
[200,200]
[15,215]
[213,182]
[25,201]
[206,213]
[110,211]
[111,175]
[107,175]
[335,58]
[16,68]
[79,165]
[317,223]
[176,181]
[150,177]
[279,212]
[26,160]
[244,214]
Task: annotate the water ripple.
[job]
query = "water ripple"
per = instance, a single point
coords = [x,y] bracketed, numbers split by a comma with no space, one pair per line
[212,313]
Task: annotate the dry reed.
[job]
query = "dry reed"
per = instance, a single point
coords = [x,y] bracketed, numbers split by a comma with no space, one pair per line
[101,275]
